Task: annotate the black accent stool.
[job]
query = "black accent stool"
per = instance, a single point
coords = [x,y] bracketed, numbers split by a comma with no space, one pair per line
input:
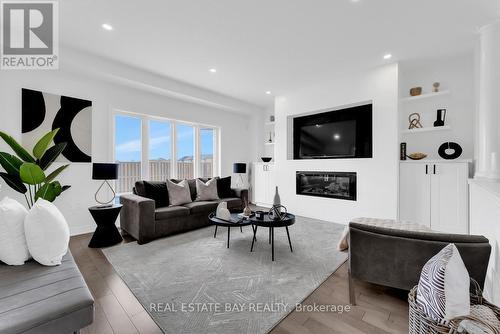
[106,233]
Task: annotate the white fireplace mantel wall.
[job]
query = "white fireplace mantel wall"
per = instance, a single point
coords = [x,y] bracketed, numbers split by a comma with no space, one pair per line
[484,189]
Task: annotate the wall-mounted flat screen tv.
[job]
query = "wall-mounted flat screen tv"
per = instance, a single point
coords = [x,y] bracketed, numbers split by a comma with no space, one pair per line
[344,133]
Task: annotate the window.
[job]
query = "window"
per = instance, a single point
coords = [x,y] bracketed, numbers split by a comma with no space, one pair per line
[207,142]
[156,149]
[128,151]
[160,150]
[185,151]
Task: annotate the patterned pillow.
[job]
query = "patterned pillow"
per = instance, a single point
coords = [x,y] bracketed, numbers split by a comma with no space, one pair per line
[443,289]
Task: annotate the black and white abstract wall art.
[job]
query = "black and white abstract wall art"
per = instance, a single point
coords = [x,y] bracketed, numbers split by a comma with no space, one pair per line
[43,112]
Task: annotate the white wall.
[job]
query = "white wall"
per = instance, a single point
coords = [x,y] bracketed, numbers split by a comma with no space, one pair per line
[238,140]
[455,74]
[377,177]
[485,220]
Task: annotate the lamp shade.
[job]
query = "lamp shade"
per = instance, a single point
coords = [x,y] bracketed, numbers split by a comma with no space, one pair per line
[104,171]
[239,168]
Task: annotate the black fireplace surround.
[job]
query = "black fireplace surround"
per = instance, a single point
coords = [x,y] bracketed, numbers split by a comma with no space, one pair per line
[341,185]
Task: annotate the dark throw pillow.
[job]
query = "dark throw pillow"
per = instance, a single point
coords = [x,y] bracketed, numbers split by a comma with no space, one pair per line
[224,187]
[157,191]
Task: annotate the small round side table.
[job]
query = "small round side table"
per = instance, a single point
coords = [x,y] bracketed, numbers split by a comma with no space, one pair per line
[106,233]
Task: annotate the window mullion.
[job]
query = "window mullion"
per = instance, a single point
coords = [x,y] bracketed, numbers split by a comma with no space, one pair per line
[197,152]
[145,148]
[173,161]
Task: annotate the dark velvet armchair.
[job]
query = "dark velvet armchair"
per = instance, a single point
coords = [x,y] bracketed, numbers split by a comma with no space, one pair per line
[395,258]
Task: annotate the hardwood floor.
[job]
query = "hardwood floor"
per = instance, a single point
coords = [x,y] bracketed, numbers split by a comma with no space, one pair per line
[379,309]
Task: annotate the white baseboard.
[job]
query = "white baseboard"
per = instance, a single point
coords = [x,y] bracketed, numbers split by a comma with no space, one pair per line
[83,229]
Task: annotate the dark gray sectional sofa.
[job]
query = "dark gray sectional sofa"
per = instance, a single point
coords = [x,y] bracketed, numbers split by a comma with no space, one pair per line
[145,218]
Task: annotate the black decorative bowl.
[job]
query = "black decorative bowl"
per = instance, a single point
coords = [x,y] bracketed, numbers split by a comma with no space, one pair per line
[266,159]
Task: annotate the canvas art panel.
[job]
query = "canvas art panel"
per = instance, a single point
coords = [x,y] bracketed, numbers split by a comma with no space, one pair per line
[43,112]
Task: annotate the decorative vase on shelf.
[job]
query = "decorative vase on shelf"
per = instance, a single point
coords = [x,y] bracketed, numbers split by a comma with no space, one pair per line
[276,199]
[440,117]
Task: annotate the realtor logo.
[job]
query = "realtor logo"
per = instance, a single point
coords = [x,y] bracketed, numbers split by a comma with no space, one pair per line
[30,38]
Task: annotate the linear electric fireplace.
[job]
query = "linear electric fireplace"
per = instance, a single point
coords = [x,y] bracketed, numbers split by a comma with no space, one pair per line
[341,185]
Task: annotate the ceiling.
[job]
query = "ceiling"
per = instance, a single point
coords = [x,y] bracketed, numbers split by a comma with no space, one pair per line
[269,45]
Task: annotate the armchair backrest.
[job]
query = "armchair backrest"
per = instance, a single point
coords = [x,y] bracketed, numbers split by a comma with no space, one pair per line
[395,258]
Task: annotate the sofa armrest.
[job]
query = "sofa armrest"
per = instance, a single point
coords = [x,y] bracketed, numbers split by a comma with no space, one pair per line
[241,193]
[138,217]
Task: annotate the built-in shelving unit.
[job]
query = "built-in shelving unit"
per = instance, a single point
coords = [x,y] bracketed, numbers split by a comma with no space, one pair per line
[428,129]
[425,96]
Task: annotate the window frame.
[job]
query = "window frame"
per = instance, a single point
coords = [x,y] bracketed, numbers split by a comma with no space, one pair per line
[145,135]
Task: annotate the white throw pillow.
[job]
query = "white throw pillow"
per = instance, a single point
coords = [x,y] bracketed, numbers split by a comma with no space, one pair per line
[13,248]
[178,193]
[443,289]
[206,191]
[47,233]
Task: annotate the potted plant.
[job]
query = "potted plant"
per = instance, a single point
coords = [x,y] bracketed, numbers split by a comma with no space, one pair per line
[26,172]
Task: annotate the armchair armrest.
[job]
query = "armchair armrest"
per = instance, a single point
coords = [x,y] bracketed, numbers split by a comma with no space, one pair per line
[241,193]
[138,217]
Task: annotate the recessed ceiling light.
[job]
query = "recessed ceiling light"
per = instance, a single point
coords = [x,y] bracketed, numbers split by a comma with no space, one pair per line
[387,56]
[268,92]
[107,26]
[213,70]
[354,1]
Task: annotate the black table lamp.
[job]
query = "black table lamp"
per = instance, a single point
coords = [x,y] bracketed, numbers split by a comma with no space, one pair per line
[105,172]
[239,168]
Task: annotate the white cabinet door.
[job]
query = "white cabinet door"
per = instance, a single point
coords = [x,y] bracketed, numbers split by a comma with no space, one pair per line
[449,197]
[414,193]
[259,184]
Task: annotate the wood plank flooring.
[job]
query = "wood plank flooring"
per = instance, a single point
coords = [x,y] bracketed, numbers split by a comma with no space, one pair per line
[117,311]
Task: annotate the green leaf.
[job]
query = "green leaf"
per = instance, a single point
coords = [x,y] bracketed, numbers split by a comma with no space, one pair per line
[14,182]
[18,149]
[43,144]
[10,163]
[49,191]
[55,173]
[31,173]
[51,155]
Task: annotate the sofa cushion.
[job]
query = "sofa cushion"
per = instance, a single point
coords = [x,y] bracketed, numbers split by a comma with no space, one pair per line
[139,189]
[206,191]
[224,187]
[232,202]
[157,191]
[171,212]
[178,193]
[202,207]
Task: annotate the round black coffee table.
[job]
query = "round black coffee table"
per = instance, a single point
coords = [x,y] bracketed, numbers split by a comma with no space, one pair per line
[288,220]
[235,222]
[106,233]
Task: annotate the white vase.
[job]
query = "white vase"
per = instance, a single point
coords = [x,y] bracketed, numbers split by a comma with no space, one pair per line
[277,199]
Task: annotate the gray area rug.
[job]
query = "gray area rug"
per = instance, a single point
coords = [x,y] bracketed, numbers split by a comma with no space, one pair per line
[192,283]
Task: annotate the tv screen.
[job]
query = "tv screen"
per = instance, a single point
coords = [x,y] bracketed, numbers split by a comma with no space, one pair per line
[344,133]
[335,139]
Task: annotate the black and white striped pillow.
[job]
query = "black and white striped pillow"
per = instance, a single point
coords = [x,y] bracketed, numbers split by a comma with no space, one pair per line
[443,289]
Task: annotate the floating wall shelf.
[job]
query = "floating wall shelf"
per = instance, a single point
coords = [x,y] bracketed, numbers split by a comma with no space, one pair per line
[425,96]
[428,129]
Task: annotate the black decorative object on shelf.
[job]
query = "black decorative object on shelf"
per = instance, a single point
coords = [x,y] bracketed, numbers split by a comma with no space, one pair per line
[457,150]
[402,151]
[440,117]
